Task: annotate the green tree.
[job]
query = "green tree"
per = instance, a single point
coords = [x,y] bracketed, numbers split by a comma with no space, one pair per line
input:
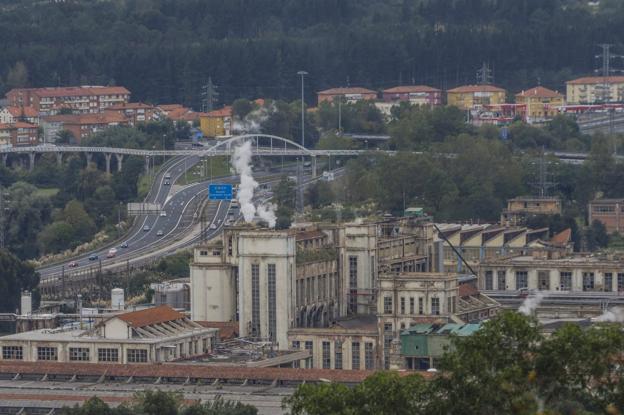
[16,276]
[18,75]
[157,402]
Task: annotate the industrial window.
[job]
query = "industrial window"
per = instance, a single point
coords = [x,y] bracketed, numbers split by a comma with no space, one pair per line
[521,279]
[308,347]
[203,253]
[338,355]
[412,306]
[620,281]
[588,281]
[435,306]
[502,281]
[137,355]
[387,347]
[296,344]
[12,353]
[388,327]
[565,281]
[608,281]
[355,355]
[353,284]
[108,355]
[79,354]
[387,305]
[47,353]
[421,305]
[489,283]
[255,300]
[368,356]
[402,305]
[543,280]
[272,306]
[326,355]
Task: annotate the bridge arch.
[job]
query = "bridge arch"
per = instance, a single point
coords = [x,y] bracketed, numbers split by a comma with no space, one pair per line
[228,143]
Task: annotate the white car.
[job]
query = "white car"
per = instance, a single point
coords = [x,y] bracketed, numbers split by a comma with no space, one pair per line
[163,213]
[213,226]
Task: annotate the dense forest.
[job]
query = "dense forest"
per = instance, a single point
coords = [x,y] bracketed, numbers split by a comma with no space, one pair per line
[165,50]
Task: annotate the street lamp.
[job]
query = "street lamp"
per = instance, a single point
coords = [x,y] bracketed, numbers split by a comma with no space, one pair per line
[302,74]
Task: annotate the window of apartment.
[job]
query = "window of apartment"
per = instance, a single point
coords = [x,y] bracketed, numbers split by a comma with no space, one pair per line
[353,284]
[588,281]
[387,327]
[521,279]
[47,353]
[296,344]
[421,305]
[309,347]
[326,355]
[502,281]
[412,306]
[608,281]
[543,280]
[368,356]
[255,299]
[137,355]
[272,306]
[565,281]
[435,306]
[402,305]
[387,305]
[337,355]
[620,281]
[355,355]
[79,354]
[108,355]
[489,280]
[12,353]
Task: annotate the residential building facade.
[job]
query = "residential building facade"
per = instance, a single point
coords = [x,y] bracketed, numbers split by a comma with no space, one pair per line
[540,104]
[348,95]
[595,89]
[609,212]
[136,112]
[80,126]
[216,123]
[470,96]
[19,134]
[78,99]
[520,208]
[413,94]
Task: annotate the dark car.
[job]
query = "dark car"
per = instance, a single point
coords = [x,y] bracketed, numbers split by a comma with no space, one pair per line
[124,245]
[93,257]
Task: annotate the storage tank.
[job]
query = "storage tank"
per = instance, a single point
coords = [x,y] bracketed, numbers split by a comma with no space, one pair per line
[26,303]
[117,299]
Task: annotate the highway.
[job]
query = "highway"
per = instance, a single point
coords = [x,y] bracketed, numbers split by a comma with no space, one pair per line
[155,235]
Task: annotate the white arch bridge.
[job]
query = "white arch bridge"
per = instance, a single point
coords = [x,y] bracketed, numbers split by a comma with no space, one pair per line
[262,145]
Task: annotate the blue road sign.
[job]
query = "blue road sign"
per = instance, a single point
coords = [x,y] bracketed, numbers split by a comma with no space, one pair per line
[220,192]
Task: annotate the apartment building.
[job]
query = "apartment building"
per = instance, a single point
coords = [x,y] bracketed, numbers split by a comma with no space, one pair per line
[413,94]
[78,99]
[595,89]
[349,95]
[609,212]
[80,125]
[467,97]
[539,104]
[216,123]
[519,209]
[19,134]
[136,112]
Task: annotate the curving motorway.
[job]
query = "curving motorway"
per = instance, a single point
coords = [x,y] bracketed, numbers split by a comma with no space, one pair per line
[154,235]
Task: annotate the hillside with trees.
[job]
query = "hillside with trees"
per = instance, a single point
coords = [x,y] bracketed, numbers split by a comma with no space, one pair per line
[165,50]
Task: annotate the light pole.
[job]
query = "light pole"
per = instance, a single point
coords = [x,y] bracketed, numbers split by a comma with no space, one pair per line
[302,74]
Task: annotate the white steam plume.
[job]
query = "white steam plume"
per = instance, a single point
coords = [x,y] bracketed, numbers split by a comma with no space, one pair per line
[615,315]
[242,163]
[531,303]
[252,123]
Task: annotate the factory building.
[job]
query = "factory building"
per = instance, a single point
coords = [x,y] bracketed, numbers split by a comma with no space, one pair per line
[153,335]
[318,285]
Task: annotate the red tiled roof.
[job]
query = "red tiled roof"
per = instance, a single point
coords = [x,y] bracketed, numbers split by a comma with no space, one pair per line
[129,105]
[83,119]
[170,107]
[223,112]
[406,89]
[467,290]
[597,80]
[20,124]
[341,91]
[183,371]
[25,111]
[562,238]
[476,88]
[227,329]
[539,91]
[147,317]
